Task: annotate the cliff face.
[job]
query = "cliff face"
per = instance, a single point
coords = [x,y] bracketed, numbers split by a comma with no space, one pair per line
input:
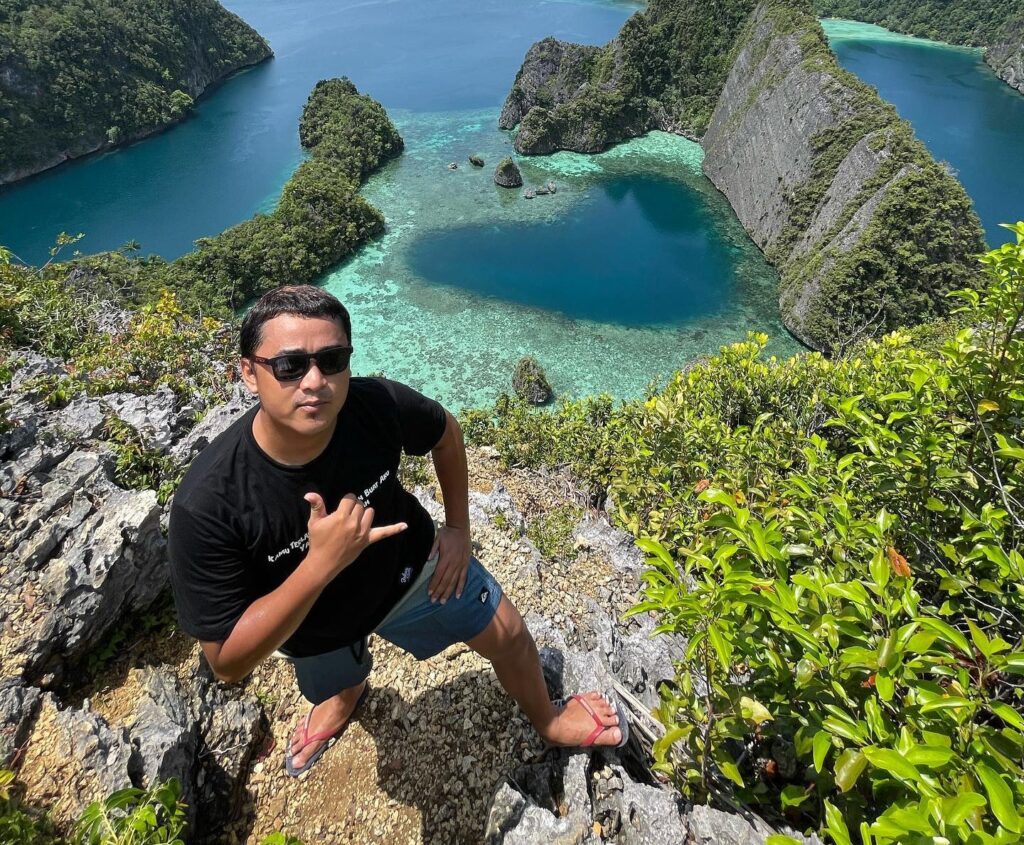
[867,230]
[663,71]
[1006,56]
[61,98]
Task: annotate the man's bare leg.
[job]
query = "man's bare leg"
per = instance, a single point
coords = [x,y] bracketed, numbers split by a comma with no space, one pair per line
[507,643]
[329,715]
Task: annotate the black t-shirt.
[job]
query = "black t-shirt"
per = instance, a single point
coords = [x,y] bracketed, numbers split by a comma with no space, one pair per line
[238,525]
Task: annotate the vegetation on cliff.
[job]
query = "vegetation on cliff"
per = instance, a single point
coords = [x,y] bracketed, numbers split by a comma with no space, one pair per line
[839,543]
[664,70]
[319,220]
[78,75]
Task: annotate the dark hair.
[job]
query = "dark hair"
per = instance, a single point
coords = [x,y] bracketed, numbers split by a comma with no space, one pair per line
[302,300]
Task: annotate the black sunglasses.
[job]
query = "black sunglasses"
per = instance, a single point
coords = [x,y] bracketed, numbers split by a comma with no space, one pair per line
[293,366]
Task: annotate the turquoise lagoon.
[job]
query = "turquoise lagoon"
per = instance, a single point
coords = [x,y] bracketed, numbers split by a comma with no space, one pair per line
[965,114]
[635,267]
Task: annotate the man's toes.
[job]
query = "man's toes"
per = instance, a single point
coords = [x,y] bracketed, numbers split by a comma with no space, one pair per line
[614,736]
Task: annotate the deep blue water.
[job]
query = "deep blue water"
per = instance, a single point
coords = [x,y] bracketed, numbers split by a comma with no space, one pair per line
[577,265]
[234,154]
[957,106]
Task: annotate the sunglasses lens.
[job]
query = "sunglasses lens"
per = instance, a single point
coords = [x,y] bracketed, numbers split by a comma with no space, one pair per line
[333,361]
[290,367]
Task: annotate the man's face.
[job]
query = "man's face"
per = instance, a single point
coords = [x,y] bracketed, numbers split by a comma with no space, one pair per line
[309,405]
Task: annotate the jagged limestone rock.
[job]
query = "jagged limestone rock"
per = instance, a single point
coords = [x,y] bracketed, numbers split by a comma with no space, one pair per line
[476,161]
[18,704]
[530,382]
[507,175]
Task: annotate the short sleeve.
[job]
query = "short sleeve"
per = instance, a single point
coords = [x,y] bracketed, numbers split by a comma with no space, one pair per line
[422,420]
[208,574]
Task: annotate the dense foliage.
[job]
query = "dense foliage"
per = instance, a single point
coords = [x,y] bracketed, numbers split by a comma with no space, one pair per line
[665,69]
[838,541]
[976,23]
[76,75]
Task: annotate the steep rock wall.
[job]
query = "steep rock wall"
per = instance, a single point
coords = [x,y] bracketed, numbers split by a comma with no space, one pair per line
[1006,56]
[867,230]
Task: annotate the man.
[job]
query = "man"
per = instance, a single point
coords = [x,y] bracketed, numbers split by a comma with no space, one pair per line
[291,532]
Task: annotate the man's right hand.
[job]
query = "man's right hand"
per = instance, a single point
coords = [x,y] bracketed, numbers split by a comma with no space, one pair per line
[336,539]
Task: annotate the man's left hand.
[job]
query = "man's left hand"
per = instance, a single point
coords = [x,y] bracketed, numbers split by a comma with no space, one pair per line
[454,550]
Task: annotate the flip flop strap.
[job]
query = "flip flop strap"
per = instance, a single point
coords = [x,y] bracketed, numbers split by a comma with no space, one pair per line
[599,726]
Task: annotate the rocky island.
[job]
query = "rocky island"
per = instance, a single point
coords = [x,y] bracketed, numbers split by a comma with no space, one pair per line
[867,230]
[76,78]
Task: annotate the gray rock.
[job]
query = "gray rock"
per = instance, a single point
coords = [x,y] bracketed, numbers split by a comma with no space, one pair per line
[32,364]
[637,814]
[762,149]
[498,501]
[507,175]
[164,732]
[476,161]
[18,704]
[113,564]
[95,747]
[707,826]
[231,726]
[214,423]
[616,546]
[154,416]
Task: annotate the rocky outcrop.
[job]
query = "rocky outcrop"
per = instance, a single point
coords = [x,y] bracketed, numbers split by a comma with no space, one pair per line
[530,382]
[1006,55]
[663,71]
[507,175]
[109,103]
[832,185]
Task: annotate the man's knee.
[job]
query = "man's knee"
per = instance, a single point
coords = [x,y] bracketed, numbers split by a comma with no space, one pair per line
[506,634]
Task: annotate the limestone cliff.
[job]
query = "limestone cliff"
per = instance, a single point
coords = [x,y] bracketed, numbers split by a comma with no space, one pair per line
[663,71]
[867,230]
[63,95]
[1006,55]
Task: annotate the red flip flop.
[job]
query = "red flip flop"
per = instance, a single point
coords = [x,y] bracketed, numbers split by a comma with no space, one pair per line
[327,737]
[599,726]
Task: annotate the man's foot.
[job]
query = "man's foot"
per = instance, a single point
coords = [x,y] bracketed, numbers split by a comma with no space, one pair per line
[321,726]
[585,720]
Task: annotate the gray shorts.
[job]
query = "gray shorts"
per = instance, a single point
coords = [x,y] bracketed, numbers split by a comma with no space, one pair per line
[415,624]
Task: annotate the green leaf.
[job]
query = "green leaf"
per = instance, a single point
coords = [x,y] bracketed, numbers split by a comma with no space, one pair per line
[1000,798]
[779,839]
[947,632]
[754,711]
[835,825]
[956,810]
[946,702]
[721,647]
[730,770]
[892,762]
[794,796]
[848,768]
[1008,715]
[821,744]
[884,686]
[932,756]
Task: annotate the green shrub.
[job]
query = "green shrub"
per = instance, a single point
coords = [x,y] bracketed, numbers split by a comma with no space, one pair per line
[18,825]
[134,817]
[854,614]
[839,543]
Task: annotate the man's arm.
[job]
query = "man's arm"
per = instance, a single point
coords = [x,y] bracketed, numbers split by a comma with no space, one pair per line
[335,540]
[453,540]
